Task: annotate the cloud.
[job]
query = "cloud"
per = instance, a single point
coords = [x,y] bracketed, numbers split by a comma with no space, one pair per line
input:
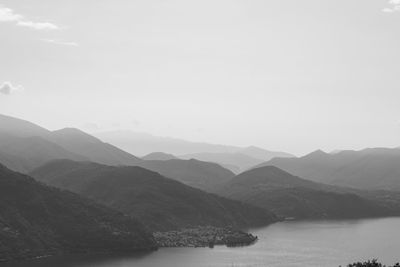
[7,88]
[57,42]
[394,6]
[387,10]
[38,25]
[8,15]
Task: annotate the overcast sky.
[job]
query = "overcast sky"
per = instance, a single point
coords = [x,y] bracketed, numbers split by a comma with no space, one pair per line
[284,75]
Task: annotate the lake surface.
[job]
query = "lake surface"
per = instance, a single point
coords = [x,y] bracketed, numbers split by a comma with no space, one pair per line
[321,243]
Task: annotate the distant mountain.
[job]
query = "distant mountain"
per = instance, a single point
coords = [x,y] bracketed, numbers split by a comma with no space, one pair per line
[259,153]
[160,203]
[26,153]
[20,128]
[143,144]
[199,174]
[37,220]
[92,148]
[25,146]
[241,161]
[292,197]
[373,168]
[159,156]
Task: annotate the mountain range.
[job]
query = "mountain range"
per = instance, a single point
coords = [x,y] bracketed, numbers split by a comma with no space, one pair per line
[164,191]
[143,144]
[158,202]
[236,162]
[199,174]
[25,146]
[292,197]
[370,169]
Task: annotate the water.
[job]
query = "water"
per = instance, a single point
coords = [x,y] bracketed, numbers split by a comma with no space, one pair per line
[286,244]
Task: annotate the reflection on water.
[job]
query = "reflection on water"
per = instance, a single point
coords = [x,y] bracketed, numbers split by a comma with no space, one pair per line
[326,243]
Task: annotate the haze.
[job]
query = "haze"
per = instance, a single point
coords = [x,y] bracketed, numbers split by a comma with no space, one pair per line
[291,76]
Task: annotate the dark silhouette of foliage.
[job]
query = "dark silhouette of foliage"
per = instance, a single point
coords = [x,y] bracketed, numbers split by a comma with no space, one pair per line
[371,263]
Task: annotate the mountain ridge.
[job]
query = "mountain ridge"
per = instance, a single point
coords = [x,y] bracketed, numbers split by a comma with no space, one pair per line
[25,146]
[159,156]
[195,173]
[367,169]
[160,203]
[294,197]
[143,144]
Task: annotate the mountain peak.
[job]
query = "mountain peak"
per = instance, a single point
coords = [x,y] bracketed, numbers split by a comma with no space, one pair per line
[269,171]
[267,176]
[76,134]
[159,156]
[316,153]
[20,128]
[263,154]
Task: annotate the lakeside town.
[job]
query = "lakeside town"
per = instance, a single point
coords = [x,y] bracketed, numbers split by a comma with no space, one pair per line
[206,236]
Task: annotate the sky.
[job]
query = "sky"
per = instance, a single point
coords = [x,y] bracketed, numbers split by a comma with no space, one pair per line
[290,75]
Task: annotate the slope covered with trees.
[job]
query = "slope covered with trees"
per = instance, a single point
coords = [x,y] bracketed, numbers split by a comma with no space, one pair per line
[159,202]
[195,173]
[293,197]
[370,169]
[37,220]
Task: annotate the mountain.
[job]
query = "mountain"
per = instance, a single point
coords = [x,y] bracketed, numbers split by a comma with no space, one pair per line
[143,144]
[289,196]
[20,128]
[240,161]
[160,203]
[259,153]
[159,156]
[92,148]
[25,146]
[372,169]
[199,174]
[37,220]
[26,153]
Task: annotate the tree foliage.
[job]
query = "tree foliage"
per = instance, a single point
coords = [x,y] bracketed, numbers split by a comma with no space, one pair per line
[371,263]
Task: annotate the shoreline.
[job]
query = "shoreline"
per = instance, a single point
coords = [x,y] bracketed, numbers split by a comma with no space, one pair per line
[198,237]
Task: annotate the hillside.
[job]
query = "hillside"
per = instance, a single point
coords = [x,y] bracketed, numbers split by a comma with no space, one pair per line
[160,203]
[25,146]
[159,156]
[290,196]
[372,169]
[26,153]
[199,174]
[20,128]
[38,220]
[240,161]
[92,148]
[263,154]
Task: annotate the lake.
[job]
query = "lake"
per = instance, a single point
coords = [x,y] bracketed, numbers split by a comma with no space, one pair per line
[311,243]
